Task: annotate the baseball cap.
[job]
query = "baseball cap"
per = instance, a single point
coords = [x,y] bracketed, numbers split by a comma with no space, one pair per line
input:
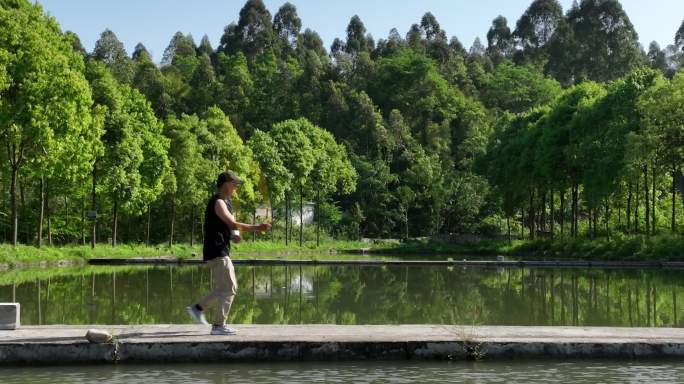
[228,176]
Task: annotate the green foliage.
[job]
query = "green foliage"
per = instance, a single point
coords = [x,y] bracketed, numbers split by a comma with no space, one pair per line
[110,50]
[518,88]
[596,41]
[45,104]
[412,136]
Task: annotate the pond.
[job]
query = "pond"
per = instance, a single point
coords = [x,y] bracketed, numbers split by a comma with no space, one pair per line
[364,372]
[353,295]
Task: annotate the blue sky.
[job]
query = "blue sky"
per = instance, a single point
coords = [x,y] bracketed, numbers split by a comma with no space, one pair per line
[153,22]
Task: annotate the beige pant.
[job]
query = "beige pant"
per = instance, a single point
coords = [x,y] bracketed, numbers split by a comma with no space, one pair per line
[225,288]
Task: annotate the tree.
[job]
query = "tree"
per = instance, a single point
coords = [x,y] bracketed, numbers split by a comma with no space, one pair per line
[599,44]
[563,130]
[663,119]
[357,41]
[150,81]
[518,88]
[76,43]
[275,178]
[140,53]
[311,41]
[226,150]
[287,24]
[436,43]
[180,46]
[679,37]
[235,88]
[187,182]
[110,50]
[657,57]
[46,103]
[536,27]
[205,47]
[131,132]
[203,85]
[500,43]
[331,171]
[253,34]
[296,153]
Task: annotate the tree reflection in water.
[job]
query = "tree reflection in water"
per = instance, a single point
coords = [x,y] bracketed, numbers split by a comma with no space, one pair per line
[355,295]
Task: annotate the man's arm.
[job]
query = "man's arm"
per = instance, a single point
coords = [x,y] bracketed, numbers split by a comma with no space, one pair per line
[224,214]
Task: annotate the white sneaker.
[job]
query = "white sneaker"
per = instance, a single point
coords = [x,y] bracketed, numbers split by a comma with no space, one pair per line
[222,330]
[197,315]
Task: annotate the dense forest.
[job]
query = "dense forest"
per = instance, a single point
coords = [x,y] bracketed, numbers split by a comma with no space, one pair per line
[559,125]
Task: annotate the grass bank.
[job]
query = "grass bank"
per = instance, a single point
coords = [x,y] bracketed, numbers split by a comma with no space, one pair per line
[25,254]
[665,248]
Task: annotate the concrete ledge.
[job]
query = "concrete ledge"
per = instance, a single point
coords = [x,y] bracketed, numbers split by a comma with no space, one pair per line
[192,343]
[452,263]
[9,316]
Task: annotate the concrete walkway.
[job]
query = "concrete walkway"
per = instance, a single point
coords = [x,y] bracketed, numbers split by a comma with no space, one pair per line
[187,343]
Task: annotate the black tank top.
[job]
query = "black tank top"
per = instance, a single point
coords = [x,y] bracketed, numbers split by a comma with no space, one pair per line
[216,231]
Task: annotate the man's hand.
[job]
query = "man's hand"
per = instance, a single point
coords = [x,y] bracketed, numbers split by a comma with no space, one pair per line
[235,237]
[263,227]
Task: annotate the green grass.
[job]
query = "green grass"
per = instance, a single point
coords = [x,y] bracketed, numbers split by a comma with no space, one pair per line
[25,275]
[657,248]
[660,248]
[620,248]
[23,254]
[428,247]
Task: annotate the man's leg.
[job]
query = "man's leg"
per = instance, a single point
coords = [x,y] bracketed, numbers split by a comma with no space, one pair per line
[197,310]
[226,289]
[215,267]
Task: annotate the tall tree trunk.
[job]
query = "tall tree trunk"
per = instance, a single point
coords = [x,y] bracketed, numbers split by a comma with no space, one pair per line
[254,223]
[654,205]
[522,223]
[318,218]
[575,210]
[192,226]
[173,219]
[531,215]
[48,211]
[13,198]
[562,213]
[646,202]
[287,217]
[629,207]
[674,200]
[553,214]
[41,214]
[607,217]
[406,223]
[83,218]
[543,211]
[301,215]
[508,229]
[22,208]
[93,239]
[115,221]
[147,233]
[66,212]
[636,205]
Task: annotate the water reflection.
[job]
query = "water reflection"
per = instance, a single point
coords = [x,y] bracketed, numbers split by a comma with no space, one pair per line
[358,372]
[356,295]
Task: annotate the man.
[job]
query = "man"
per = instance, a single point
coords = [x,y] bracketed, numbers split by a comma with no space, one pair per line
[218,222]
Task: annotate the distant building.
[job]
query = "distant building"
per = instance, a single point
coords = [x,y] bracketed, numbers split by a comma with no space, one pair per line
[265,212]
